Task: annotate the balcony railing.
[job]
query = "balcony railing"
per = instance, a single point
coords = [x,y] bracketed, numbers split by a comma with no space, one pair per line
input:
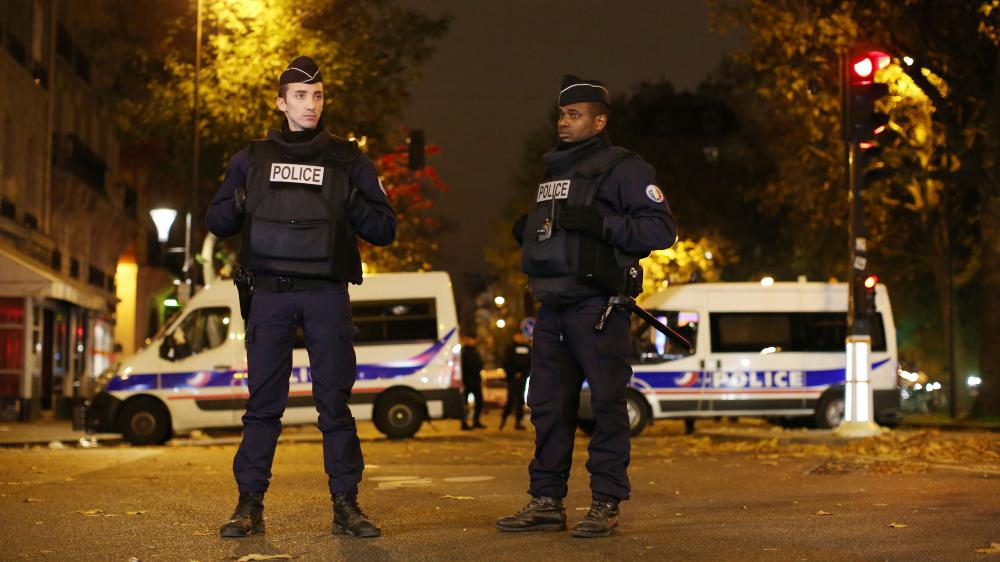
[71,154]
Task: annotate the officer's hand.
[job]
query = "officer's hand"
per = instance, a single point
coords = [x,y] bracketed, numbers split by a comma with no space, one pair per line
[240,199]
[583,218]
[518,229]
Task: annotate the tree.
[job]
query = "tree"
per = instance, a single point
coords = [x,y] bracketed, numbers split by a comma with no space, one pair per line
[411,194]
[369,52]
[942,106]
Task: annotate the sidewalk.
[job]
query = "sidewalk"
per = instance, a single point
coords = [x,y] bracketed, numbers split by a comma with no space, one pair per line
[46,431]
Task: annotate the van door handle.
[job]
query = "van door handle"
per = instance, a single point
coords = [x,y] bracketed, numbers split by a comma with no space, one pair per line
[701,364]
[223,367]
[718,363]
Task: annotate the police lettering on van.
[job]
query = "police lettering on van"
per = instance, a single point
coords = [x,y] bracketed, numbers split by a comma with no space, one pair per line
[776,351]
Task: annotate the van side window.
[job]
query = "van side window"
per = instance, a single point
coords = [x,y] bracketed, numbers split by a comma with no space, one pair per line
[395,321]
[786,331]
[650,346]
[201,330]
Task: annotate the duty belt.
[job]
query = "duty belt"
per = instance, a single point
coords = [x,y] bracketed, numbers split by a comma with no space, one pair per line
[282,284]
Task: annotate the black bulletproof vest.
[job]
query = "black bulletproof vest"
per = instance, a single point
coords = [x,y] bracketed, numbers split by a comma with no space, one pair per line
[296,222]
[566,266]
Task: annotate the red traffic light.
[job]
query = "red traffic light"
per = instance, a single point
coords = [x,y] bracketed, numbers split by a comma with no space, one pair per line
[871,281]
[865,64]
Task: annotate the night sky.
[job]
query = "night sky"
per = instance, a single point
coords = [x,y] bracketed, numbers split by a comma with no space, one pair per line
[496,74]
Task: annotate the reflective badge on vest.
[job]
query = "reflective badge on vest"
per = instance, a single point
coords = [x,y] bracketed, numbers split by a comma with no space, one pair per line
[553,190]
[297,173]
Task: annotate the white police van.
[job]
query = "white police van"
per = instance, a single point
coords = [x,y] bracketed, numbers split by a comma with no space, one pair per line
[773,351]
[194,375]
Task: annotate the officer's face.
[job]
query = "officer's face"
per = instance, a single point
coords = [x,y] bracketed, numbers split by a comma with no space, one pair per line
[579,121]
[303,105]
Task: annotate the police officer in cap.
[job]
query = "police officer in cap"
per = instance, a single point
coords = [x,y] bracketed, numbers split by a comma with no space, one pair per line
[597,212]
[298,197]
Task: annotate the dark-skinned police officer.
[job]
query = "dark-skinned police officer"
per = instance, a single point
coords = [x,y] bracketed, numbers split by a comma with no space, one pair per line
[299,197]
[598,211]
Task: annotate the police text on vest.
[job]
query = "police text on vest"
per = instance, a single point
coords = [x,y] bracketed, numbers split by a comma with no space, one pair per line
[553,190]
[297,173]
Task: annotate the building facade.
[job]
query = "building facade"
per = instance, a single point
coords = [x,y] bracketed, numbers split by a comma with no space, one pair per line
[67,215]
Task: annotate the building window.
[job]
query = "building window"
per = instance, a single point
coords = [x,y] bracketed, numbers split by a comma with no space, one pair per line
[95,277]
[64,44]
[11,346]
[8,209]
[74,268]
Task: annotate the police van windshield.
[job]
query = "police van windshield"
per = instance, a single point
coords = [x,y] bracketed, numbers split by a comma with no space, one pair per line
[650,346]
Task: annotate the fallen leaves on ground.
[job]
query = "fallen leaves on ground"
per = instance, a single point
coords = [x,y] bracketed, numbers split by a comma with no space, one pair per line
[136,512]
[893,452]
[994,548]
[255,556]
[451,497]
[91,512]
[895,525]
[821,512]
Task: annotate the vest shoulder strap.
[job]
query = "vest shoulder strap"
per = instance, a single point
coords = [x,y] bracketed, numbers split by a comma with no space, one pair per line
[601,162]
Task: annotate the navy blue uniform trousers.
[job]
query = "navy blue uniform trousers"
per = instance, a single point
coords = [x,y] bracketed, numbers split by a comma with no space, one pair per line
[325,317]
[566,351]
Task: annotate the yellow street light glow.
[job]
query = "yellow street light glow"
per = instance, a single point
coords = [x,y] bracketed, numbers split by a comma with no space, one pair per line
[908,61]
[499,301]
[501,323]
[767,281]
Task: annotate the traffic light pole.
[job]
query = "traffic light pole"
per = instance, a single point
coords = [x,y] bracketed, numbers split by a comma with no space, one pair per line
[858,397]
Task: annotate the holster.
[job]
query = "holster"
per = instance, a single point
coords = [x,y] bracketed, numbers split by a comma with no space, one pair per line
[243,279]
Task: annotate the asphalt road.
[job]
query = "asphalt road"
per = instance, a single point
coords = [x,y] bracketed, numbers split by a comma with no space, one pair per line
[436,498]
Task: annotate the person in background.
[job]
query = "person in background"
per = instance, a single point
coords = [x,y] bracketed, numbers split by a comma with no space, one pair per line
[472,381]
[517,367]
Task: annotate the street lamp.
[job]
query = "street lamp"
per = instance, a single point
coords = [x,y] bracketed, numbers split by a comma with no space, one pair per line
[499,301]
[163,219]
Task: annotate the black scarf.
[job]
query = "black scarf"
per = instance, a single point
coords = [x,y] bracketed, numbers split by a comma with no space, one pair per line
[301,145]
[566,155]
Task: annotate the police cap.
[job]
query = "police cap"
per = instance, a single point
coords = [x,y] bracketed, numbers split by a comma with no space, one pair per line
[302,69]
[576,90]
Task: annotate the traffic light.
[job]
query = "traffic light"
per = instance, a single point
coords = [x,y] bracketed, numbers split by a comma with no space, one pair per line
[868,307]
[868,164]
[861,122]
[415,150]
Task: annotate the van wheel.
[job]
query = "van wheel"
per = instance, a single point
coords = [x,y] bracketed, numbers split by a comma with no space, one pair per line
[830,410]
[586,426]
[399,415]
[638,412]
[145,422]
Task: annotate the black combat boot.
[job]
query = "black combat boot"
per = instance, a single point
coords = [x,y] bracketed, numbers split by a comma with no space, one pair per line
[542,514]
[248,517]
[348,519]
[600,521]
